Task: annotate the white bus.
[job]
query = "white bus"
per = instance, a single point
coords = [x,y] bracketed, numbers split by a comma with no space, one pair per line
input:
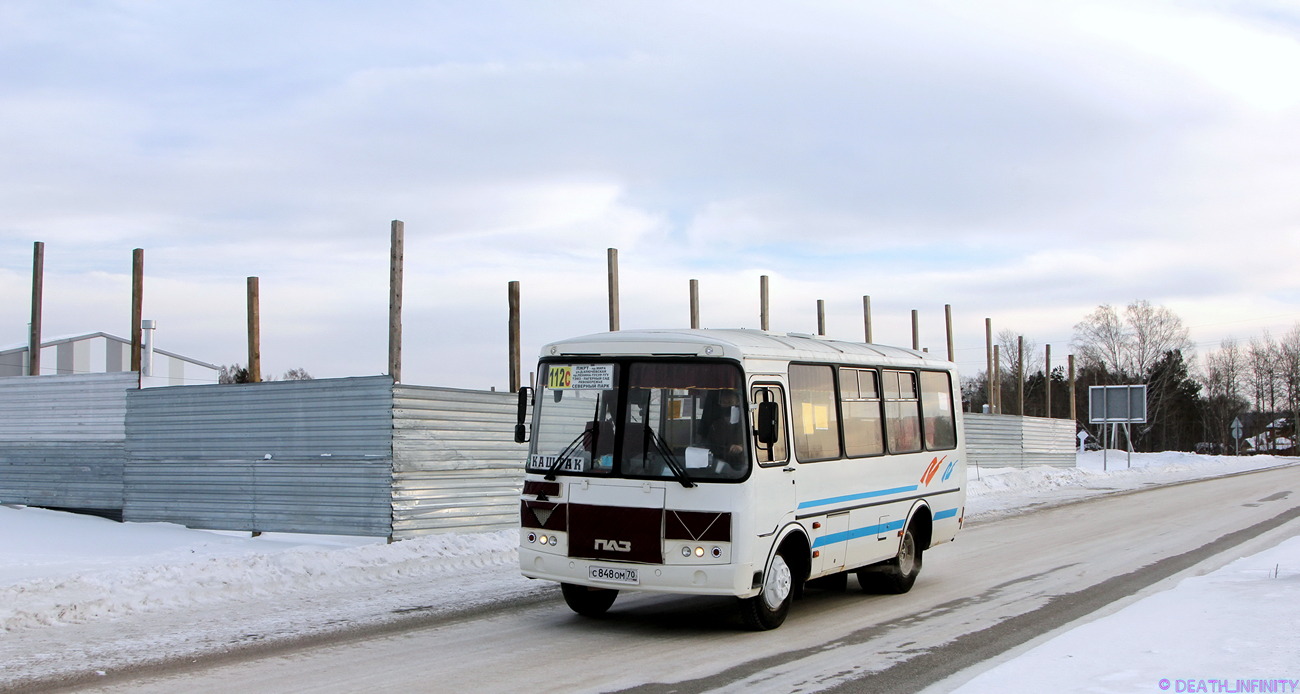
[736,462]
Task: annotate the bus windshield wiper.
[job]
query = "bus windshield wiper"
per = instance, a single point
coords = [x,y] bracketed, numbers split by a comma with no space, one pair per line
[564,454]
[662,448]
[588,435]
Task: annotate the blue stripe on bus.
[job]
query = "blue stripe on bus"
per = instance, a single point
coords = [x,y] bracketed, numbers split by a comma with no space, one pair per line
[855,497]
[871,530]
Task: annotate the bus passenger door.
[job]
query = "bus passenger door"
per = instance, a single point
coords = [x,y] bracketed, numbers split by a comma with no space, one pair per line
[774,476]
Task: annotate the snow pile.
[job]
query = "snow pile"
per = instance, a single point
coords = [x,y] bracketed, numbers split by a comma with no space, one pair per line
[1212,633]
[62,568]
[995,492]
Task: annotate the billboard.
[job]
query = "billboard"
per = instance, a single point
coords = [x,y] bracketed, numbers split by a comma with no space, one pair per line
[1117,404]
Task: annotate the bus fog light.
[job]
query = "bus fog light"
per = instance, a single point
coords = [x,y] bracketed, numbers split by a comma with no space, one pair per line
[699,551]
[686,551]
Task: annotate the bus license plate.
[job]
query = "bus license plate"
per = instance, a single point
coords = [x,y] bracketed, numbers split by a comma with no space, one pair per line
[610,574]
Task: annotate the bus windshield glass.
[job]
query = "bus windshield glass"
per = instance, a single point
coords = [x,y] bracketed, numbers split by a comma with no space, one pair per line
[669,420]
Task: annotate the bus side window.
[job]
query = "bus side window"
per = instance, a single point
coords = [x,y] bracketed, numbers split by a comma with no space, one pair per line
[937,411]
[776,453]
[815,413]
[902,416]
[860,400]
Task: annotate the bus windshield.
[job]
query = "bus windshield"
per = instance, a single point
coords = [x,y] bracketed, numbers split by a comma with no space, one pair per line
[651,419]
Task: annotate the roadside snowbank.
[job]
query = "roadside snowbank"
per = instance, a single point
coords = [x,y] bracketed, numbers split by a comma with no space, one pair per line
[996,492]
[1232,630]
[63,568]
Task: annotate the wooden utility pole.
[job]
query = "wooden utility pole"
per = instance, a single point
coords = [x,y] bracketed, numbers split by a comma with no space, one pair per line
[396,262]
[997,369]
[38,293]
[916,330]
[254,331]
[947,320]
[1073,414]
[821,317]
[866,315]
[695,304]
[1020,375]
[762,302]
[1048,382]
[513,294]
[137,306]
[988,369]
[611,256]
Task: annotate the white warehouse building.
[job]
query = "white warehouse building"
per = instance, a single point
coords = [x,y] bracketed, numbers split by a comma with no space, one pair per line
[105,353]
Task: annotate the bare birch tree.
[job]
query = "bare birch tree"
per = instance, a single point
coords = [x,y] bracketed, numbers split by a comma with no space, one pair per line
[1101,340]
[1129,347]
[1289,349]
[1262,372]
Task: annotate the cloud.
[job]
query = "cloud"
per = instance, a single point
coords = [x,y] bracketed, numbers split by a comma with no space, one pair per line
[1015,159]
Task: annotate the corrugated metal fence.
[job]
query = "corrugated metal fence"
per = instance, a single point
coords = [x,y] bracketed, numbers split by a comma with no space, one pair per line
[62,440]
[358,456]
[288,456]
[455,462]
[995,440]
[350,456]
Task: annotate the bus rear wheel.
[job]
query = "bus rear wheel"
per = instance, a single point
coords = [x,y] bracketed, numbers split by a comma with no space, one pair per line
[768,609]
[895,575]
[588,602]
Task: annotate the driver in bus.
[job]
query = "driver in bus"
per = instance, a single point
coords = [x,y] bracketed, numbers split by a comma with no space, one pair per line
[725,435]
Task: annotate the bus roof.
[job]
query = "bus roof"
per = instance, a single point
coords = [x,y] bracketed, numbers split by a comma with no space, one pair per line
[738,344]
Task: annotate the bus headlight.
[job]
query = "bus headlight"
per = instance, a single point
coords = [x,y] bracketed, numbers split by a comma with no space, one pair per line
[686,552]
[699,551]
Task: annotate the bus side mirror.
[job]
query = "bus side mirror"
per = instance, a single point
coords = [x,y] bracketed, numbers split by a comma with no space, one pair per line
[767,419]
[521,432]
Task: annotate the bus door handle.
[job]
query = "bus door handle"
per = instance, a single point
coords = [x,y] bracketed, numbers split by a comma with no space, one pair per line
[787,469]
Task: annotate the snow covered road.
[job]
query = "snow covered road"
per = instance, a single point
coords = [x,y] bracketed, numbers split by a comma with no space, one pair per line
[969,606]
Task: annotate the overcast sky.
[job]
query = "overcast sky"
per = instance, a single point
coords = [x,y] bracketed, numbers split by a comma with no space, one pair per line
[1024,161]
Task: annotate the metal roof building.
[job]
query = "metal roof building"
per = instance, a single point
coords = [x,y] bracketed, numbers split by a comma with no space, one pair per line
[104,353]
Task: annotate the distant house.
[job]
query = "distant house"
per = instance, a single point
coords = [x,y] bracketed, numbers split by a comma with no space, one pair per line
[105,353]
[1275,435]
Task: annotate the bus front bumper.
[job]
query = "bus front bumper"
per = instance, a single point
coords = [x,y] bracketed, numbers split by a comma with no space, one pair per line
[708,579]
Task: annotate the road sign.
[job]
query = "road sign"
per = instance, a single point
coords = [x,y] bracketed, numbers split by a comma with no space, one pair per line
[1236,427]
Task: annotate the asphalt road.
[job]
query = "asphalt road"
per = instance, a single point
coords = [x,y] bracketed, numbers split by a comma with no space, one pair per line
[1002,584]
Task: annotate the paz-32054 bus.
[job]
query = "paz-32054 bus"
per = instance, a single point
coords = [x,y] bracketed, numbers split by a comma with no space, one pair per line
[736,462]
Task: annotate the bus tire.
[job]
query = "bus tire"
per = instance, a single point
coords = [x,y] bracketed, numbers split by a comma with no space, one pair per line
[768,609]
[588,602]
[895,575]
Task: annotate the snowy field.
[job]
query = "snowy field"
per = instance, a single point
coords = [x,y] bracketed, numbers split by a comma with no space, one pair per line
[78,590]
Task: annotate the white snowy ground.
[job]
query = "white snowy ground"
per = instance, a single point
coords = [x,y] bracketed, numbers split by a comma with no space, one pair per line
[78,590]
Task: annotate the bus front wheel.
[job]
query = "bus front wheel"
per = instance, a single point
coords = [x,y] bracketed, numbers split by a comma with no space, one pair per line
[768,609]
[588,602]
[895,575]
